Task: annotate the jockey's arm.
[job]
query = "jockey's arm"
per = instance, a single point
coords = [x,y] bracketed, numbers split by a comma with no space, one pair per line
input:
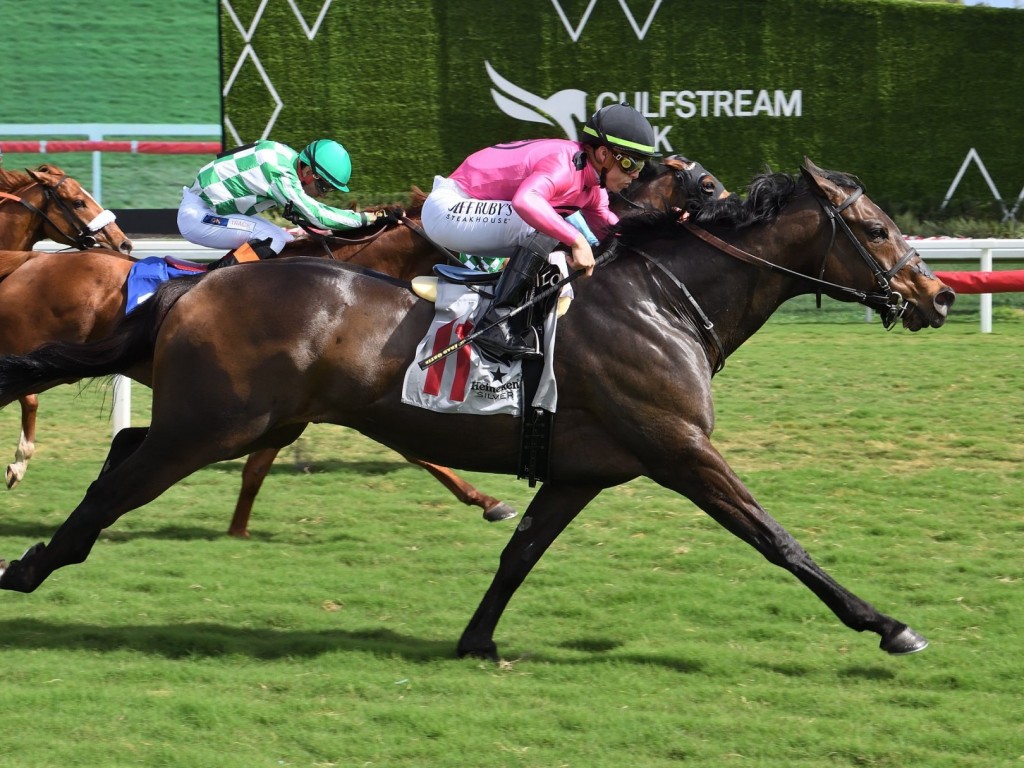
[287,191]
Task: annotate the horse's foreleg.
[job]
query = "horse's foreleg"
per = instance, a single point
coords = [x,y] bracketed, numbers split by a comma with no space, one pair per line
[26,442]
[494,510]
[253,474]
[551,510]
[716,489]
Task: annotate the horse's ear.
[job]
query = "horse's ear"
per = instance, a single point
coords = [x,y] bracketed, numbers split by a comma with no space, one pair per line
[816,179]
[810,171]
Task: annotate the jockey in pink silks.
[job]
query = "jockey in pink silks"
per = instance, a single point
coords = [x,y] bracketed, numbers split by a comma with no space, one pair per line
[502,201]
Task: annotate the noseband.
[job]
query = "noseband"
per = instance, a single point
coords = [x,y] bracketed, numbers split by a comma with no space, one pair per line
[84,233]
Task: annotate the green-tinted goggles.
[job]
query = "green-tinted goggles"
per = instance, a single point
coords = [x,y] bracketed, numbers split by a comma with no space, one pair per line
[630,164]
[321,186]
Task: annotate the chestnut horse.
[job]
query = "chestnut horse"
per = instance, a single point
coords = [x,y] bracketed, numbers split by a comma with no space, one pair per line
[83,301]
[635,359]
[36,205]
[47,203]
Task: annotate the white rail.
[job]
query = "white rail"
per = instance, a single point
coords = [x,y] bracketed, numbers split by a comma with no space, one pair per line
[985,251]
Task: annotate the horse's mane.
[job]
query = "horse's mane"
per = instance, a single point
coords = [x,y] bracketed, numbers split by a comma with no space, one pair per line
[767,195]
[14,179]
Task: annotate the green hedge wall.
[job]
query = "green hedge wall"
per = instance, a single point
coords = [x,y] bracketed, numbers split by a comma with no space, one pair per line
[895,92]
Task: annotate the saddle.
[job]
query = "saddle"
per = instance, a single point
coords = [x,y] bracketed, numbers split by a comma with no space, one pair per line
[530,382]
[146,275]
[483,283]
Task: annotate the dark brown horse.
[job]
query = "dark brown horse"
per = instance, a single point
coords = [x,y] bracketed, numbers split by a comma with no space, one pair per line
[245,358]
[36,205]
[82,301]
[83,298]
[675,184]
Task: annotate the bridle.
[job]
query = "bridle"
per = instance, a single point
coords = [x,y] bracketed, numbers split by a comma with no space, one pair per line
[889,303]
[84,232]
[691,177]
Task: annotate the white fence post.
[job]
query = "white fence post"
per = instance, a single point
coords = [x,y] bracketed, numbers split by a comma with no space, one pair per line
[122,416]
[986,298]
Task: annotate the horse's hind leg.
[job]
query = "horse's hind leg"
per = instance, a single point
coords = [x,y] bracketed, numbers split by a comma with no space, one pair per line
[136,472]
[124,444]
[253,474]
[26,442]
[494,509]
[551,510]
[255,471]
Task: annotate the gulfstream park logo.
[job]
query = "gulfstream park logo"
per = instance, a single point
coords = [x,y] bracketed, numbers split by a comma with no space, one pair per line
[563,109]
[566,109]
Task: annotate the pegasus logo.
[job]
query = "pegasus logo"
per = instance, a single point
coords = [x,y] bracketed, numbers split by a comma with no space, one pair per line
[565,109]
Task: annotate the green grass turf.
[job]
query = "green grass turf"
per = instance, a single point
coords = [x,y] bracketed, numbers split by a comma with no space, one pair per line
[647,636]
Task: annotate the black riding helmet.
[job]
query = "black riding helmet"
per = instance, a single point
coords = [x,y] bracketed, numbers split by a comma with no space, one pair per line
[621,127]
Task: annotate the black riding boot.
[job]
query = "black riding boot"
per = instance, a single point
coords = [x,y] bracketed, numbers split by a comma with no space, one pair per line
[254,250]
[514,286]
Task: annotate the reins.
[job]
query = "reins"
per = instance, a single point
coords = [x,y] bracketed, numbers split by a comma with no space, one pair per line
[365,240]
[889,303]
[705,327]
[738,253]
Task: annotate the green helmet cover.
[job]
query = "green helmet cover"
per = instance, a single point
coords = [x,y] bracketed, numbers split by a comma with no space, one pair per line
[330,161]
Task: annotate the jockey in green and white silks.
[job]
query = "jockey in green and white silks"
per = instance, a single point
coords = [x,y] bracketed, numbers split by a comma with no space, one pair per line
[219,209]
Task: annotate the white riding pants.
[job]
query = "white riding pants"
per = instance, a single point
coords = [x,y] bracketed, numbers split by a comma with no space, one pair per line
[200,224]
[488,228]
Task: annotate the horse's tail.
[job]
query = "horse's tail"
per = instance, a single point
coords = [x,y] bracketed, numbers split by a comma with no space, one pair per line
[130,343]
[11,260]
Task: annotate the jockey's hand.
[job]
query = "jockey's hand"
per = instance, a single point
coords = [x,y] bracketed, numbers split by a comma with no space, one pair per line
[582,256]
[389,216]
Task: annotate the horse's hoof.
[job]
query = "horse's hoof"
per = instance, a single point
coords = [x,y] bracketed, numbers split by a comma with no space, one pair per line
[906,641]
[18,575]
[500,511]
[13,477]
[488,653]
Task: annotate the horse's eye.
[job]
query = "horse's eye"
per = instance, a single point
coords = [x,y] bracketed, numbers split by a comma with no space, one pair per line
[79,203]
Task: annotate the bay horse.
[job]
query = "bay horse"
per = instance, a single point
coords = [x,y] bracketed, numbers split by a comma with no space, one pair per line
[83,300]
[244,358]
[676,183]
[36,205]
